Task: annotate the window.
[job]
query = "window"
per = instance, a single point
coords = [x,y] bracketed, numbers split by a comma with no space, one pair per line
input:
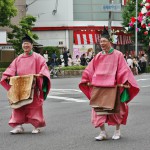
[92,10]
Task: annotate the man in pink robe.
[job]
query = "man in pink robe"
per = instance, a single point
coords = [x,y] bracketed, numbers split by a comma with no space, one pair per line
[29,63]
[108,68]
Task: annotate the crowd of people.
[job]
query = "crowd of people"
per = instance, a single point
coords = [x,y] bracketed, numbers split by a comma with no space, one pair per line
[137,64]
[65,59]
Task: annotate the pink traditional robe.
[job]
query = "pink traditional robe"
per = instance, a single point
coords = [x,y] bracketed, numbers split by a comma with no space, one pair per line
[107,70]
[25,65]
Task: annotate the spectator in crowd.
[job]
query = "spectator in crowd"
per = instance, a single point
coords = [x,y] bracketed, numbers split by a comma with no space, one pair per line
[53,62]
[49,62]
[77,61]
[70,61]
[93,55]
[89,53]
[130,62]
[45,55]
[125,57]
[62,62]
[54,56]
[142,63]
[135,66]
[65,56]
[83,60]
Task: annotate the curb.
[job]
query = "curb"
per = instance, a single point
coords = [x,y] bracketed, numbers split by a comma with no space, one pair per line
[67,74]
[63,74]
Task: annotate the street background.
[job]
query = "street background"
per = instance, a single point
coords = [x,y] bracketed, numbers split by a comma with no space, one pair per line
[68,118]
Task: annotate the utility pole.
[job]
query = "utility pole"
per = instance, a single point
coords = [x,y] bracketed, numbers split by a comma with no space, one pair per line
[136,36]
[109,20]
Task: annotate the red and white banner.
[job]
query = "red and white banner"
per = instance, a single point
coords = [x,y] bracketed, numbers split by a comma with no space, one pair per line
[92,37]
[85,37]
[124,39]
[124,2]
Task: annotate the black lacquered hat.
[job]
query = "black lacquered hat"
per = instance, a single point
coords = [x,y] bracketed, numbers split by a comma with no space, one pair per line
[105,34]
[27,38]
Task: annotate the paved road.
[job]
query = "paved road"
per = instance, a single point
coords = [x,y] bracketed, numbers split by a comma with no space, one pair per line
[67,113]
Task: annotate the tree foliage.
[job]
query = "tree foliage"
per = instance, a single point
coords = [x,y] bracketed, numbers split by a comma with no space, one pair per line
[50,50]
[129,18]
[19,31]
[7,11]
[128,12]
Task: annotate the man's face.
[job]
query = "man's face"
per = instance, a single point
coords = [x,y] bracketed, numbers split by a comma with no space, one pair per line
[27,47]
[105,44]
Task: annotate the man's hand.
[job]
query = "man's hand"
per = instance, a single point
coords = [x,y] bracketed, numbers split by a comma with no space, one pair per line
[124,85]
[87,84]
[38,75]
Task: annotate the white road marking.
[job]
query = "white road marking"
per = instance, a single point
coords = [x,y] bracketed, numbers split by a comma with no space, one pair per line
[145,86]
[143,79]
[64,91]
[55,92]
[67,90]
[67,98]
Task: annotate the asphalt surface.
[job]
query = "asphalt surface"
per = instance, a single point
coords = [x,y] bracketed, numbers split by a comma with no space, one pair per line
[67,114]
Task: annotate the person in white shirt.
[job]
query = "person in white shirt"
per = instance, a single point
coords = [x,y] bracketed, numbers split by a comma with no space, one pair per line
[77,61]
[62,61]
[130,62]
[70,61]
[143,63]
[45,55]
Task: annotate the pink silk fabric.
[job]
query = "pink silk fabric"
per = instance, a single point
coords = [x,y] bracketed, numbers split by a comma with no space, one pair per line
[25,65]
[107,70]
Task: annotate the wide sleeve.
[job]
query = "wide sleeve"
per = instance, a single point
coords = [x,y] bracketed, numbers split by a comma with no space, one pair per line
[9,72]
[125,75]
[87,77]
[44,83]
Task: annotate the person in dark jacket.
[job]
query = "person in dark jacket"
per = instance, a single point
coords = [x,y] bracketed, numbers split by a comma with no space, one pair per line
[83,60]
[65,56]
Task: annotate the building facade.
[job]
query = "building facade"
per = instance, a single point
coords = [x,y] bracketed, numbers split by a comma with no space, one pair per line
[71,24]
[76,24]
[7,53]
